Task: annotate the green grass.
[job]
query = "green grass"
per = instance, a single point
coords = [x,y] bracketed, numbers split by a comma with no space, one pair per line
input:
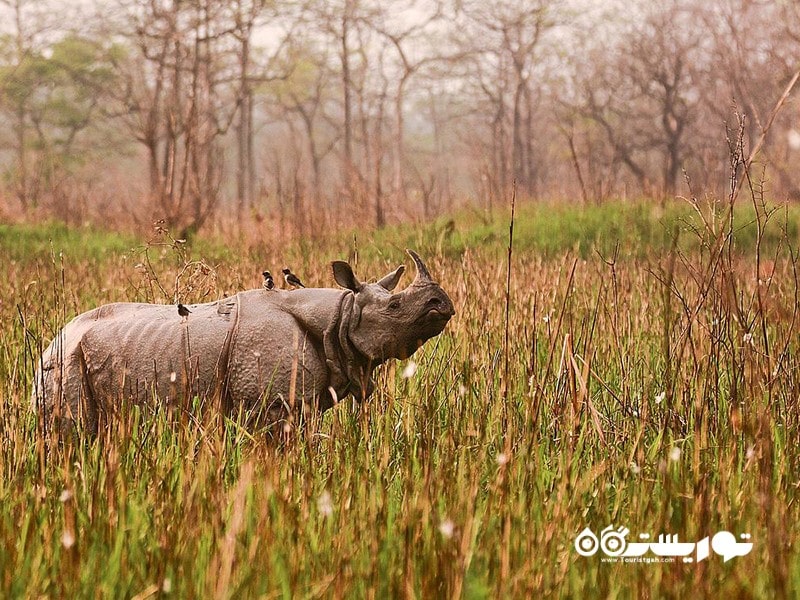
[23,242]
[438,487]
[634,229]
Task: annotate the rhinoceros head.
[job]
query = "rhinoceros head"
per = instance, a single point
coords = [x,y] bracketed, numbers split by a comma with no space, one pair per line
[393,325]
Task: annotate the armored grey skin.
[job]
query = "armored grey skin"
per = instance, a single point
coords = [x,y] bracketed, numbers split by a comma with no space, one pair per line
[261,353]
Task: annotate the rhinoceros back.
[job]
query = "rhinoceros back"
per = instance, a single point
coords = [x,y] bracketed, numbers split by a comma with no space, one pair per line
[136,351]
[256,350]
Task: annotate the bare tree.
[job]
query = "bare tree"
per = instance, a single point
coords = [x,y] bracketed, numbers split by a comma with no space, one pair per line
[511,33]
[405,32]
[185,85]
[645,97]
[363,107]
[29,21]
[306,94]
[245,16]
[755,46]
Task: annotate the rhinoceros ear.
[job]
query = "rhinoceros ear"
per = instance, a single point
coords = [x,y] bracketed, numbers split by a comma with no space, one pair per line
[390,281]
[344,276]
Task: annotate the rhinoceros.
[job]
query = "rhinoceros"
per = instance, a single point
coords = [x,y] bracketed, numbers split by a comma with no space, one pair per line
[259,352]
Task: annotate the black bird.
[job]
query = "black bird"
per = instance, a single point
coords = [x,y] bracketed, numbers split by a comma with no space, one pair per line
[291,279]
[183,312]
[269,282]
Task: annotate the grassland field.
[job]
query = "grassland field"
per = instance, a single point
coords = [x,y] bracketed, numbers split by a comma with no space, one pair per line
[653,382]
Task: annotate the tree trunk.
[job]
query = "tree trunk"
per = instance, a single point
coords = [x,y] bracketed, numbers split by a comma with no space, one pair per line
[380,215]
[21,116]
[399,138]
[22,162]
[517,147]
[244,177]
[347,97]
[242,158]
[250,149]
[531,172]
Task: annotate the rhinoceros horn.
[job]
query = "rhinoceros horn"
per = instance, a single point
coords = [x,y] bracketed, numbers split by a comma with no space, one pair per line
[423,275]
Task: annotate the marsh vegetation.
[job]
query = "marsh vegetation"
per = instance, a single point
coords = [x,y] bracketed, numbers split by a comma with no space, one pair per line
[652,383]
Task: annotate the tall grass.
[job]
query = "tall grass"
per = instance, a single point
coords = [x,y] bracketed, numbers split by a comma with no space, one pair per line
[653,383]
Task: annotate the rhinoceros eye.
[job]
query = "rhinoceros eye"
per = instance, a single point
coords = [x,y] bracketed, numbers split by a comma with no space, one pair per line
[394,304]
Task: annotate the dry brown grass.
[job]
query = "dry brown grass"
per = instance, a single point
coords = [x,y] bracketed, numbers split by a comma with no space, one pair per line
[657,390]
